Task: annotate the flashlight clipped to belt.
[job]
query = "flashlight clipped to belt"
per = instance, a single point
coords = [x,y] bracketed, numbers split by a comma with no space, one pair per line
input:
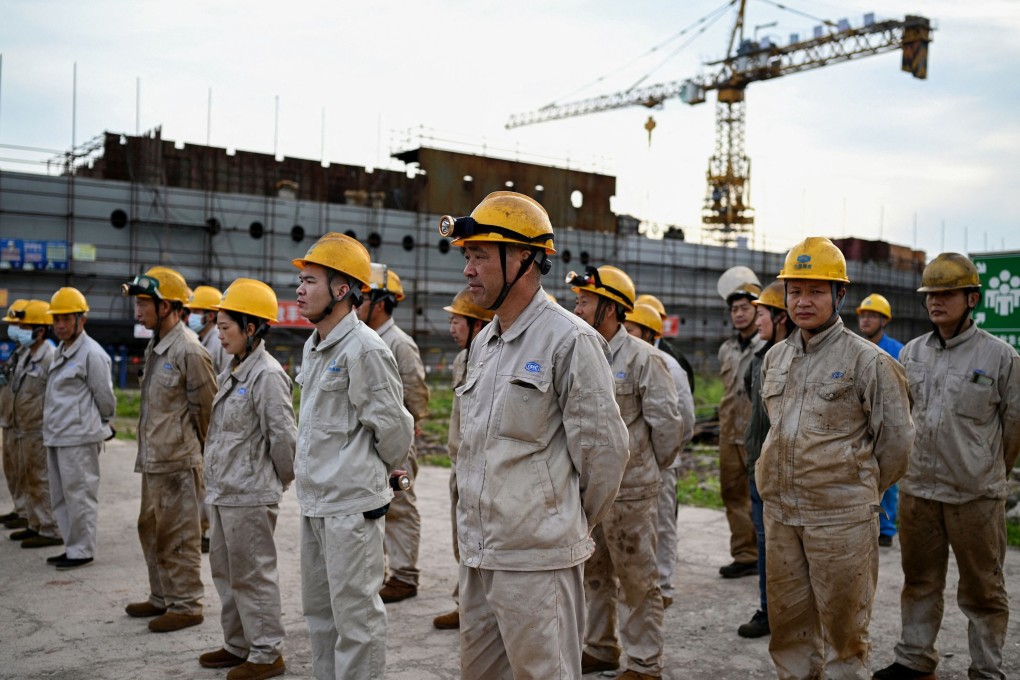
[400,482]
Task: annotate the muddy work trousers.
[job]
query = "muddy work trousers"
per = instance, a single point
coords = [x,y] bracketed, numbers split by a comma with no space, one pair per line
[622,574]
[521,625]
[665,526]
[36,484]
[976,531]
[11,472]
[821,586]
[242,558]
[169,531]
[74,494]
[341,574]
[403,530]
[736,496]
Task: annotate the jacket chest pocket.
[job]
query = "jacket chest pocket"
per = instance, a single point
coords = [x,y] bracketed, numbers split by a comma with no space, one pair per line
[526,406]
[917,378]
[979,402]
[333,408]
[627,399]
[237,414]
[772,389]
[827,406]
[167,382]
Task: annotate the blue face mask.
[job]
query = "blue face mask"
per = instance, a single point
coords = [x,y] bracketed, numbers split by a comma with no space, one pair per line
[195,322]
[21,336]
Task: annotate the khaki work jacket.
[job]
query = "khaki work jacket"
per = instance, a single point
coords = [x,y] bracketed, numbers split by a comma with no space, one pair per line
[219,357]
[410,367]
[178,386]
[353,428]
[965,401]
[685,399]
[543,446]
[735,406]
[79,394]
[459,371]
[650,407]
[29,388]
[6,395]
[249,453]
[840,428]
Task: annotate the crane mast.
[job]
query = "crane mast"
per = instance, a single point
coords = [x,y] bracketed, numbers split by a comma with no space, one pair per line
[726,210]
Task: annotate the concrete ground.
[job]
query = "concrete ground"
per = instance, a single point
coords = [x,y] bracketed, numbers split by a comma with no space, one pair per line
[71,625]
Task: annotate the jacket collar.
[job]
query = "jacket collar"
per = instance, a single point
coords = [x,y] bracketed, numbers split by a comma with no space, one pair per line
[819,341]
[169,339]
[386,325]
[617,341]
[240,373]
[955,341]
[527,317]
[68,351]
[339,332]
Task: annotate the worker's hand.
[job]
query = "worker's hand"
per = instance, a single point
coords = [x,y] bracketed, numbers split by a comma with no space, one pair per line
[417,431]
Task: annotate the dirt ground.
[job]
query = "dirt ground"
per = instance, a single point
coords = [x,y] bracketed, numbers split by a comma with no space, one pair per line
[72,625]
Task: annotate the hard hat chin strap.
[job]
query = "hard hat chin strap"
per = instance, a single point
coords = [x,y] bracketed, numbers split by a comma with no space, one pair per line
[352,292]
[543,264]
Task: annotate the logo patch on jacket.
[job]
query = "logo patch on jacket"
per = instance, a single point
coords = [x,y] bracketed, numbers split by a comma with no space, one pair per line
[837,375]
[333,368]
[168,367]
[621,375]
[242,391]
[533,367]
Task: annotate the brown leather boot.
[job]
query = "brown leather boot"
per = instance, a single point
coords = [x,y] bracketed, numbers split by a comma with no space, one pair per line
[448,621]
[257,671]
[144,610]
[589,664]
[221,658]
[172,621]
[634,675]
[41,541]
[395,590]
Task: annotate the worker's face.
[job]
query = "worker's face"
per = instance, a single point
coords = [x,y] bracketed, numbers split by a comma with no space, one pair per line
[809,302]
[145,312]
[634,329]
[232,338]
[947,307]
[870,323]
[460,328]
[65,326]
[742,314]
[587,305]
[484,273]
[313,293]
[763,322]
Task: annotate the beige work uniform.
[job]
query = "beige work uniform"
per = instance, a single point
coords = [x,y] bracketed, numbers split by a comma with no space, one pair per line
[665,523]
[10,463]
[403,522]
[29,388]
[352,432]
[623,571]
[840,435]
[178,385]
[249,462]
[965,401]
[734,414]
[542,453]
[459,371]
[79,406]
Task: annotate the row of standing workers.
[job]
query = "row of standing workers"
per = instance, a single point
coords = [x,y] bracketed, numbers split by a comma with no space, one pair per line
[566,431]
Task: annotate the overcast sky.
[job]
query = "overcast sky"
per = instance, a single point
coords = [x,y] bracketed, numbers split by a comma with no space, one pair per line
[855,149]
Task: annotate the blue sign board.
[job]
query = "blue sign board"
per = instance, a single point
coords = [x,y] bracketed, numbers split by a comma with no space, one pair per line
[30,255]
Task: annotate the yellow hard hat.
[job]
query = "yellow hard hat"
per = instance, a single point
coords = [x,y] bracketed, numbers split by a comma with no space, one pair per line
[607,281]
[465,306]
[875,303]
[159,283]
[647,316]
[949,271]
[342,253]
[774,295]
[37,313]
[654,302]
[204,297]
[502,217]
[249,296]
[68,301]
[385,279]
[16,311]
[816,258]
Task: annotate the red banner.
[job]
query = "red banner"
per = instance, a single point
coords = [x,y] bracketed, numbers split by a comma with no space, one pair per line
[288,316]
[671,326]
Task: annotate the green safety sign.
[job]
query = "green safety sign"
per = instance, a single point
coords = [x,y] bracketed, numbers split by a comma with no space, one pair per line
[999,309]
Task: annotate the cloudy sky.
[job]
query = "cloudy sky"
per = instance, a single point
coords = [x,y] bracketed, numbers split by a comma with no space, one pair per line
[856,149]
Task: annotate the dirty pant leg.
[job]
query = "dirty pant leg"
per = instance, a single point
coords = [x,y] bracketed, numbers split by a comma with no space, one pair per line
[521,625]
[37,486]
[11,473]
[665,550]
[600,595]
[821,587]
[341,574]
[242,557]
[454,497]
[736,497]
[169,531]
[74,493]
[890,507]
[976,532]
[757,517]
[403,529]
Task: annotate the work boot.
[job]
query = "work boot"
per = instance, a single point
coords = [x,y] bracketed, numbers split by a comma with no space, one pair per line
[666,601]
[634,675]
[757,627]
[172,621]
[24,535]
[72,563]
[221,658]
[205,545]
[900,672]
[885,541]
[448,621]
[41,541]
[257,671]
[144,610]
[589,664]
[739,569]
[9,516]
[56,558]
[16,523]
[395,590]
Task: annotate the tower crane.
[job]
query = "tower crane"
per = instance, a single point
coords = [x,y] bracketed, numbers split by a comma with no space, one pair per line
[726,209]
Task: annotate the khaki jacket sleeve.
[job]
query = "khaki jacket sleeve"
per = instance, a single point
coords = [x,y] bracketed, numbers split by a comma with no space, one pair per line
[1009,410]
[412,375]
[100,385]
[378,400]
[275,409]
[201,388]
[685,399]
[597,439]
[453,433]
[887,402]
[660,409]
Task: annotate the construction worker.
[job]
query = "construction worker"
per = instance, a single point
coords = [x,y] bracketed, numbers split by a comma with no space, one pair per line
[623,569]
[202,320]
[773,325]
[537,414]
[80,404]
[734,412]
[249,463]
[403,522]
[645,322]
[839,436]
[28,384]
[873,315]
[352,434]
[18,517]
[665,345]
[466,320]
[178,386]
[965,398]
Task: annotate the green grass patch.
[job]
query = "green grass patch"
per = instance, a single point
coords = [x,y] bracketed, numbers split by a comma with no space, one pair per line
[1013,533]
[699,492]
